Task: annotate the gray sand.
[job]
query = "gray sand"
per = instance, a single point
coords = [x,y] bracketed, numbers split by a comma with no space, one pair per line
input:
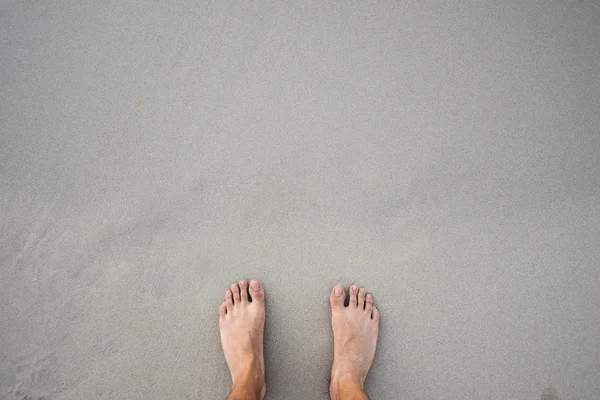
[444,155]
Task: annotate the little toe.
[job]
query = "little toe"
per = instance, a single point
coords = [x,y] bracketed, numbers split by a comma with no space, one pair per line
[375,314]
[223,310]
[337,296]
[229,300]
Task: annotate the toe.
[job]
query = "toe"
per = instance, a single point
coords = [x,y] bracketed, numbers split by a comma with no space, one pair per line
[353,295]
[375,314]
[244,290]
[256,291]
[361,298]
[228,300]
[235,289]
[223,310]
[337,296]
[369,303]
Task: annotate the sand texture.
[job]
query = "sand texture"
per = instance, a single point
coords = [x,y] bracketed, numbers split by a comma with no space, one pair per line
[445,155]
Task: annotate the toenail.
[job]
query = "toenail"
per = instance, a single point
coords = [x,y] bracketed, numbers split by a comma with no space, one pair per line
[353,288]
[362,290]
[255,285]
[337,291]
[243,284]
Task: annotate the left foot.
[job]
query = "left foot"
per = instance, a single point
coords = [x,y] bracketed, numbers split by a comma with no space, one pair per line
[242,322]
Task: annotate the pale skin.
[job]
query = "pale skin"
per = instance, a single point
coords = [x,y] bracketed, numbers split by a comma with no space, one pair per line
[355,332]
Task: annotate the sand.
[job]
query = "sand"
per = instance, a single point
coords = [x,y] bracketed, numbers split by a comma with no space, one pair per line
[444,155]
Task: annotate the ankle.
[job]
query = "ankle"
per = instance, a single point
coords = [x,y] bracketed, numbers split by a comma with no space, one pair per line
[244,393]
[346,388]
[248,390]
[249,382]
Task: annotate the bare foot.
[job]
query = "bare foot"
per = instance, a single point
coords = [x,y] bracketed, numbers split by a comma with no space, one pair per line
[242,322]
[355,331]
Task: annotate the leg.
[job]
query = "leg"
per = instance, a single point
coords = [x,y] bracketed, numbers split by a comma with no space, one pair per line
[242,322]
[355,331]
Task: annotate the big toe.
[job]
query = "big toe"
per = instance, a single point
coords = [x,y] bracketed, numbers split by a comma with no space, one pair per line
[337,297]
[256,291]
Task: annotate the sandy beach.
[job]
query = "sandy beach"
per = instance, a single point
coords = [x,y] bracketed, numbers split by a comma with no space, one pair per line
[444,155]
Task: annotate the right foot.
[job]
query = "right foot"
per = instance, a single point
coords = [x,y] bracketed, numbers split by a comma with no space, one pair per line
[355,331]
